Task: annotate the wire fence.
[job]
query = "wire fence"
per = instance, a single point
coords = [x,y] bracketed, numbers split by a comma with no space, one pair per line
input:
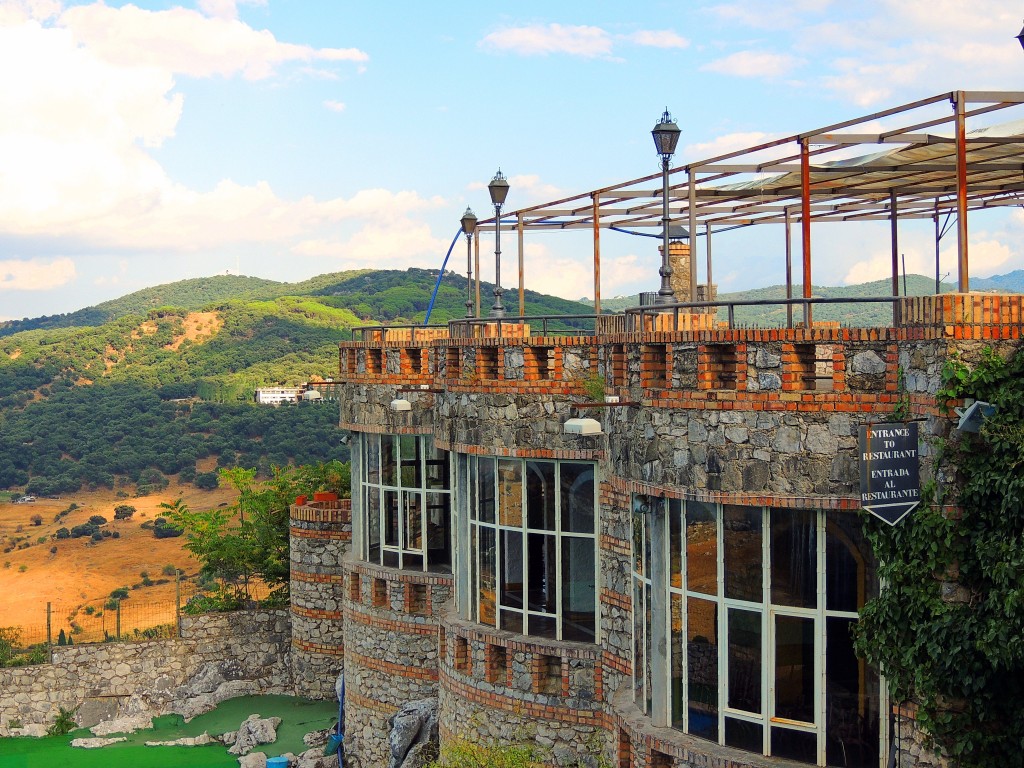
[113,619]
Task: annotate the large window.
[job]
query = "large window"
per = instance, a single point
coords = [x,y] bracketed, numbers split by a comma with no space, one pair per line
[760,607]
[406,500]
[532,546]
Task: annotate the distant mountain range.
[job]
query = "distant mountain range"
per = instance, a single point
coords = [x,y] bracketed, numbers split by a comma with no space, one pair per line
[848,314]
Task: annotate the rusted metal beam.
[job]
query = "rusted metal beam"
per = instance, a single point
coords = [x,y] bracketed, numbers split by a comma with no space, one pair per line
[805,225]
[522,274]
[597,253]
[963,279]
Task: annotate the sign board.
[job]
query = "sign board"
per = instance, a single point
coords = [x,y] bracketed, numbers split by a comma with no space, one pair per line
[890,476]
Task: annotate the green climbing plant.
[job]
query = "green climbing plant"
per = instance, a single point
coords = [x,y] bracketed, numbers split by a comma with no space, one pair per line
[948,629]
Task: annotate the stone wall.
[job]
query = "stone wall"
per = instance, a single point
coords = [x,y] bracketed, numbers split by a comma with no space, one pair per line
[391,649]
[501,688]
[218,656]
[320,535]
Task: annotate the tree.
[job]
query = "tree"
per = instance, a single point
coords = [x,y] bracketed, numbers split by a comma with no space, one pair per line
[37,519]
[165,529]
[9,639]
[124,512]
[206,481]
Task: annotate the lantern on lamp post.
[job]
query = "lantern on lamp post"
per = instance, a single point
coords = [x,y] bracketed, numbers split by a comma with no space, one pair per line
[499,191]
[666,136]
[468,228]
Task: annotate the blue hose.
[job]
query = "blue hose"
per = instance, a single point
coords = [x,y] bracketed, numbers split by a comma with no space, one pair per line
[440,275]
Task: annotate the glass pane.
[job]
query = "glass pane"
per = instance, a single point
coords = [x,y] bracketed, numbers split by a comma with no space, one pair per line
[795,745]
[639,644]
[474,572]
[540,494]
[372,458]
[640,509]
[411,461]
[391,518]
[512,621]
[390,558]
[744,735]
[439,542]
[743,555]
[485,489]
[439,470]
[851,701]
[412,562]
[647,644]
[373,525]
[675,544]
[578,598]
[744,654]
[850,577]
[701,548]
[388,461]
[677,649]
[794,567]
[512,568]
[542,573]
[542,626]
[413,521]
[794,668]
[485,614]
[510,492]
[577,482]
[702,667]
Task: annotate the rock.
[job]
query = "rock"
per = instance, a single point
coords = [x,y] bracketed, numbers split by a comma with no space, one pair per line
[315,758]
[255,731]
[868,363]
[35,730]
[185,741]
[317,738]
[229,738]
[413,725]
[95,710]
[254,760]
[96,743]
[129,724]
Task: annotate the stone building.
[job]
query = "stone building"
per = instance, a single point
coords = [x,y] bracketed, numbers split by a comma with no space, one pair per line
[659,570]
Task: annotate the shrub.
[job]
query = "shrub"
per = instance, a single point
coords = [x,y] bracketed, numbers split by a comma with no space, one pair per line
[164,529]
[120,593]
[97,536]
[85,529]
[64,724]
[124,512]
[53,550]
[169,570]
[98,520]
[62,533]
[37,519]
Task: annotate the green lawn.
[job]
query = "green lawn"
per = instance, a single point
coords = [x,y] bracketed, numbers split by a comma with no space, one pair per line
[298,717]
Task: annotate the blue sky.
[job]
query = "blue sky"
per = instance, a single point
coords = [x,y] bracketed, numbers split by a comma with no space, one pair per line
[150,142]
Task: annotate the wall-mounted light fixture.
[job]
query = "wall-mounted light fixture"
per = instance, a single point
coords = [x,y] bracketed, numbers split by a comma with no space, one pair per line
[579,426]
[972,416]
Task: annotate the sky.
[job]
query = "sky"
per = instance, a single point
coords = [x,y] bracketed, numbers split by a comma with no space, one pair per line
[151,142]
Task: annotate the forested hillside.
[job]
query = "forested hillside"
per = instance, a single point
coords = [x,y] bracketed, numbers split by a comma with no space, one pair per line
[85,397]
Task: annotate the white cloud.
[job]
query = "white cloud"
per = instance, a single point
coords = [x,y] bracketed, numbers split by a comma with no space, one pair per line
[541,40]
[35,274]
[753,64]
[184,41]
[225,9]
[722,145]
[664,38]
[335,106]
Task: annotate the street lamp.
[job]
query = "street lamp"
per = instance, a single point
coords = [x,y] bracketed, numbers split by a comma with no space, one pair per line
[468,228]
[499,191]
[666,136]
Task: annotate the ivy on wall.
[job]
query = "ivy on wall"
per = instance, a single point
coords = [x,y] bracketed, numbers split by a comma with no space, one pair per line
[947,630]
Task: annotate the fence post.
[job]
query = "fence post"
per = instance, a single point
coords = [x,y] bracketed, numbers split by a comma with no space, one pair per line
[119,619]
[177,602]
[49,630]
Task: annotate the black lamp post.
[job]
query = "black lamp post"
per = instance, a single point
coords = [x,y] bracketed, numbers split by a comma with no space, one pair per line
[666,136]
[499,191]
[468,228]
[1020,37]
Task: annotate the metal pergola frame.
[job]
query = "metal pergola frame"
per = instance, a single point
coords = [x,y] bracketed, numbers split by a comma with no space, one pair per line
[926,167]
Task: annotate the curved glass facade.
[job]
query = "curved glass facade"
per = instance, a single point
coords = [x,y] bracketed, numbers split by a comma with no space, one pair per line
[406,502]
[760,607]
[532,559]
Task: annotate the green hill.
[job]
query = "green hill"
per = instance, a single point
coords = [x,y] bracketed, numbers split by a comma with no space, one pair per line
[85,398]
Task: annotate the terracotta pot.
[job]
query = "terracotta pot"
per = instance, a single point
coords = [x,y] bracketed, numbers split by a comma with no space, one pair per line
[300,500]
[325,496]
